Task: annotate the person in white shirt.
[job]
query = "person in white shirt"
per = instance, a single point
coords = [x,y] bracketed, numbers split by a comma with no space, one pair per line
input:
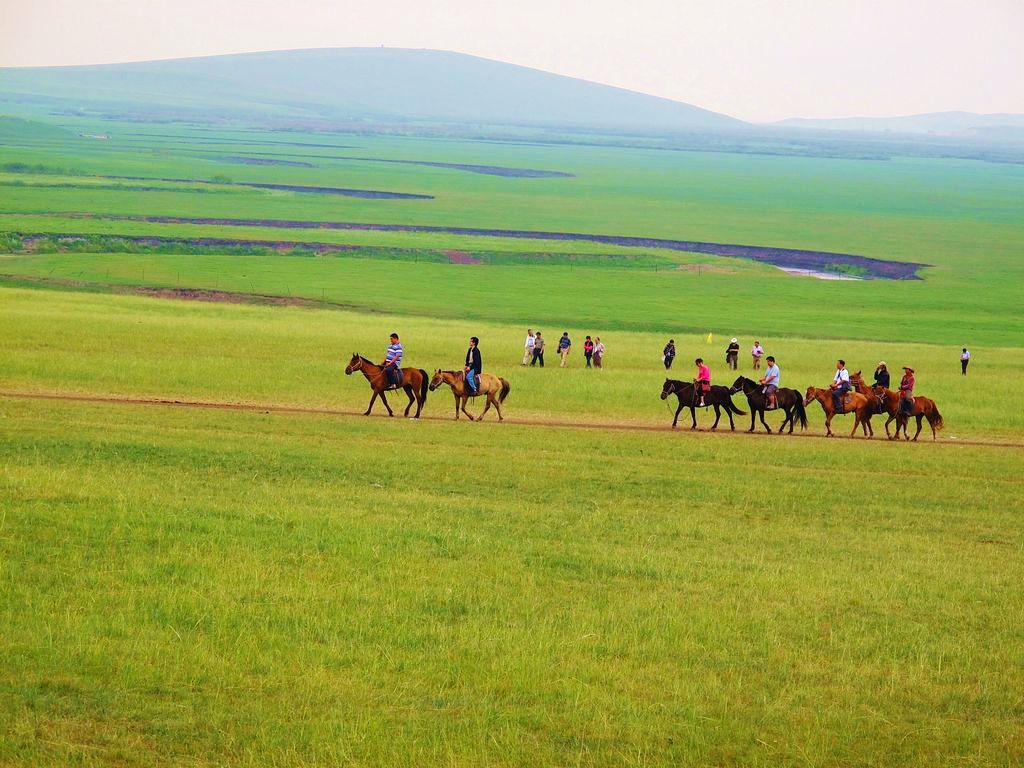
[965,358]
[755,352]
[528,348]
[840,385]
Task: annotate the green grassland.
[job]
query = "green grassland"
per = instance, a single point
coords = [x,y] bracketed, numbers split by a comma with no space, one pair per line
[575,586]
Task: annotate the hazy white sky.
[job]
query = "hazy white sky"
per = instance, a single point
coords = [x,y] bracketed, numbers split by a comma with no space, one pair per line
[753,59]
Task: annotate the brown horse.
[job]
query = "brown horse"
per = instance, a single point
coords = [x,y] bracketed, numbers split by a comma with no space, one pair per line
[414,382]
[494,388]
[853,402]
[886,401]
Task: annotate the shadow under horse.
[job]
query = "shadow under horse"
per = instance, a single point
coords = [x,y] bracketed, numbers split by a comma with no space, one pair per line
[789,401]
[414,382]
[494,388]
[718,398]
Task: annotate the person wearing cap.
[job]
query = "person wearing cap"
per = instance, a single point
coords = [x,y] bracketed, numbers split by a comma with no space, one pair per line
[840,385]
[882,375]
[732,354]
[393,361]
[965,358]
[907,392]
[669,353]
[755,352]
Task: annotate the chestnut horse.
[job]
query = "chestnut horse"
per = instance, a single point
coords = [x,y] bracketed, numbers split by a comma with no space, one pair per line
[854,403]
[414,382]
[494,388]
[887,401]
[718,398]
[787,400]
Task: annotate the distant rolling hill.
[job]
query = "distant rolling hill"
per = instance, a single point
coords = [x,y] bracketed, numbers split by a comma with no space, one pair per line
[946,123]
[346,84]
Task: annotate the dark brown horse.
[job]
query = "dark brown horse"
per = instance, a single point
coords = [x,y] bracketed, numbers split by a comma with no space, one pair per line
[853,402]
[414,382]
[886,401]
[789,400]
[717,398]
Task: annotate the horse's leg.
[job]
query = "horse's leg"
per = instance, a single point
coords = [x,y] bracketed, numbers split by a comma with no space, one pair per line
[384,399]
[919,417]
[456,398]
[465,400]
[497,407]
[732,424]
[487,407]
[408,391]
[373,399]
[718,416]
[828,424]
[887,423]
[789,417]
[753,414]
[761,415]
[679,410]
[856,423]
[693,415]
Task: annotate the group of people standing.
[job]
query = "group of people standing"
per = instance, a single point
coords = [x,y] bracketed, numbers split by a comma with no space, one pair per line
[533,349]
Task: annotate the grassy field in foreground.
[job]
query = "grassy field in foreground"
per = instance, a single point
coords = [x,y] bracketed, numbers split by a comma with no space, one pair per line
[220,588]
[125,345]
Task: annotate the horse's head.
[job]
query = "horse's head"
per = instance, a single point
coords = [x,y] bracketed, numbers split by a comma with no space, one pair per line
[436,380]
[739,385]
[811,395]
[668,389]
[355,364]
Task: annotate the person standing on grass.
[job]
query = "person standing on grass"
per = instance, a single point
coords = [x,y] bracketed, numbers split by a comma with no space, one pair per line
[702,381]
[564,345]
[965,358]
[732,354]
[598,352]
[528,347]
[393,361]
[755,352]
[474,365]
[588,350]
[669,353]
[538,350]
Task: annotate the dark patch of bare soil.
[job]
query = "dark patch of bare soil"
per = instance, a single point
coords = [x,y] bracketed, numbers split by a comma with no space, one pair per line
[263,161]
[824,261]
[372,194]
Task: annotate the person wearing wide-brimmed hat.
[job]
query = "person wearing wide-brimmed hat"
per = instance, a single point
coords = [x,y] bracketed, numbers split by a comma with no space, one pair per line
[882,375]
[732,354]
[907,391]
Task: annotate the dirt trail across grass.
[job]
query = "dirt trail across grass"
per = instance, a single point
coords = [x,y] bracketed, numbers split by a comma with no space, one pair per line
[620,426]
[824,261]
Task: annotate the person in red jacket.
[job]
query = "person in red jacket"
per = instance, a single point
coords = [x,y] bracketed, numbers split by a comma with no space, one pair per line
[907,392]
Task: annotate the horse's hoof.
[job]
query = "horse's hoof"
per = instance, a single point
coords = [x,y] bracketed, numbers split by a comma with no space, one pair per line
[750,430]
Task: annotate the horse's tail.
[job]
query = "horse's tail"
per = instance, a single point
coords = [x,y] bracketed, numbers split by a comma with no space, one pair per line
[935,418]
[731,407]
[505,387]
[801,412]
[424,381]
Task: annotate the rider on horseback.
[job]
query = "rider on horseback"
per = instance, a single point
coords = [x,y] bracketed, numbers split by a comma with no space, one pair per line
[907,392]
[393,361]
[770,380]
[702,382]
[474,365]
[840,385]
